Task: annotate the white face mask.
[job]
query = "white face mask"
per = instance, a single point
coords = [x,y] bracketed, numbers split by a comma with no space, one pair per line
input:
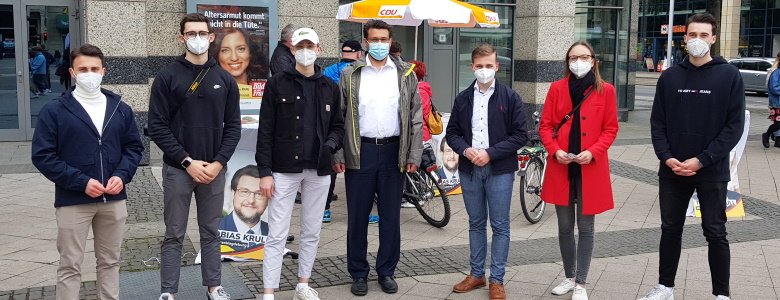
[89,81]
[305,57]
[485,75]
[580,68]
[698,47]
[198,45]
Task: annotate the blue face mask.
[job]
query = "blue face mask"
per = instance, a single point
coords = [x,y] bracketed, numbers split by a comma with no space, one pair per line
[379,50]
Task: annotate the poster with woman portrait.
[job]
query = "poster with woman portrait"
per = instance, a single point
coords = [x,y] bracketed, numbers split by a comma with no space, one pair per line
[241,47]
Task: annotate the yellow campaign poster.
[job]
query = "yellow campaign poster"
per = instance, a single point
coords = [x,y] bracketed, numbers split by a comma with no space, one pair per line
[735,207]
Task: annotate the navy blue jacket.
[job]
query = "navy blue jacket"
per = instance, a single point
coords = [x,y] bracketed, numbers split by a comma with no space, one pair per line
[506,129]
[68,150]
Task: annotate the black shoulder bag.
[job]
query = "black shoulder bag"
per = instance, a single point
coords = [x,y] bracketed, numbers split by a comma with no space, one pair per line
[571,113]
[194,86]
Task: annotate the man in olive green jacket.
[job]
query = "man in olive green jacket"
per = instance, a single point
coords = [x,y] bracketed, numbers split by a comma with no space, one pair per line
[382,140]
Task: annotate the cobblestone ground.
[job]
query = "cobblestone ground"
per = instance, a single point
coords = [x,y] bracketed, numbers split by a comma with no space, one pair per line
[145,229]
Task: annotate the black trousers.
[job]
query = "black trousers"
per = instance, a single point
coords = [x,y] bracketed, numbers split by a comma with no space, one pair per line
[330,191]
[378,174]
[674,195]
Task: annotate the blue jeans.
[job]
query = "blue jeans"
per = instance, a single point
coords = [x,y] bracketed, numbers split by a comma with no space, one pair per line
[486,195]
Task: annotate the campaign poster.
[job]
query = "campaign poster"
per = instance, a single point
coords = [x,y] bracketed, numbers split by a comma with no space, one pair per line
[241,47]
[243,229]
[446,160]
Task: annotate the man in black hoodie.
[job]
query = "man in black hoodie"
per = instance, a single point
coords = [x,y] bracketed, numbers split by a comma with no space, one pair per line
[697,118]
[301,126]
[194,118]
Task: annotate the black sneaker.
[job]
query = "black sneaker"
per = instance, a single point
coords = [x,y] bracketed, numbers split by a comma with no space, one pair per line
[765,139]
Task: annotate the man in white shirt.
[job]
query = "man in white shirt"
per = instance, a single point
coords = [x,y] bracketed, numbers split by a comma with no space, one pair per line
[487,165]
[383,139]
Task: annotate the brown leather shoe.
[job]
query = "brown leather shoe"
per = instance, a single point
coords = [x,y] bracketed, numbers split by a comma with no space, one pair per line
[469,284]
[497,291]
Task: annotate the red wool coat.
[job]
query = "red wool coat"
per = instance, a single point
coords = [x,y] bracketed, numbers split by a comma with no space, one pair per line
[599,127]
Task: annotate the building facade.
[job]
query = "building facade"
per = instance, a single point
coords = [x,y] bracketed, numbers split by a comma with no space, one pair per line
[139,37]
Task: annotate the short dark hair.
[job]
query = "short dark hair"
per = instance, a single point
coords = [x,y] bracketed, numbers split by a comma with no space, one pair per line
[250,170]
[377,24]
[483,50]
[193,17]
[87,50]
[703,18]
[395,47]
[36,49]
[441,145]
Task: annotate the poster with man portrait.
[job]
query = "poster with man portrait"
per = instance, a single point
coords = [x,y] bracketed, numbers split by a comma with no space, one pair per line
[243,229]
[447,161]
[241,47]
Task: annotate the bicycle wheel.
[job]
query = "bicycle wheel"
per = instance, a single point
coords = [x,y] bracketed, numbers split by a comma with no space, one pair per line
[435,209]
[531,189]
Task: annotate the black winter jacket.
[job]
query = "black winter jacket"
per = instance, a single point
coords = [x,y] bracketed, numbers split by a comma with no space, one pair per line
[281,59]
[698,112]
[280,133]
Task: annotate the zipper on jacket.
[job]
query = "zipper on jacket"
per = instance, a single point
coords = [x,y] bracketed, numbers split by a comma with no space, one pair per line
[100,148]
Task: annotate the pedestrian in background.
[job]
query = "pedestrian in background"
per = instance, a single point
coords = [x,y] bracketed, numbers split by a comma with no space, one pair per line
[578,125]
[773,93]
[282,58]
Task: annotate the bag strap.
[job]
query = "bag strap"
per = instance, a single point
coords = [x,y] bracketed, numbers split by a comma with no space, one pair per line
[571,113]
[194,86]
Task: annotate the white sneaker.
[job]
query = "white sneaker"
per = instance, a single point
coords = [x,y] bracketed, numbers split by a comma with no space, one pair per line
[579,293]
[660,292]
[721,297]
[166,296]
[306,293]
[219,294]
[563,288]
[407,204]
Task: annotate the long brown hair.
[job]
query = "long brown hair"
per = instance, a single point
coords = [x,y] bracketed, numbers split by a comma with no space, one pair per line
[566,72]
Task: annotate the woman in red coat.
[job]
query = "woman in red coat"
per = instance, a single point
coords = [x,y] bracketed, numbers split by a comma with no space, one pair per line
[577,177]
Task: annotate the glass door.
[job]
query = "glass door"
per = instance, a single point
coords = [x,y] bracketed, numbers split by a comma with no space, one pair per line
[48,28]
[12,67]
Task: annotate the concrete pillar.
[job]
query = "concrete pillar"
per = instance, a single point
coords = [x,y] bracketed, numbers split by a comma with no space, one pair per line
[543,32]
[729,28]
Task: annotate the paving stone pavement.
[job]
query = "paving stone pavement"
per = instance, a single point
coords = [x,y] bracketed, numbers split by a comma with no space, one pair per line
[433,259]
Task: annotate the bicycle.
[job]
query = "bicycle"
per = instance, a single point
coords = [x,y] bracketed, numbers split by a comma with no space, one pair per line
[532,159]
[423,190]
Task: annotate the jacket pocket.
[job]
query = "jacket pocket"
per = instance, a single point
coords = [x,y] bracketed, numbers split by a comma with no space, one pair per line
[80,160]
[285,105]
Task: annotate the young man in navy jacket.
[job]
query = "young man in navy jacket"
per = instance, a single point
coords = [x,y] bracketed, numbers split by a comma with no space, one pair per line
[197,126]
[486,128]
[86,142]
[697,118]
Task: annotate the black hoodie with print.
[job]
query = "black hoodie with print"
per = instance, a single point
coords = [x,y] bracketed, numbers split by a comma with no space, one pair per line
[698,112]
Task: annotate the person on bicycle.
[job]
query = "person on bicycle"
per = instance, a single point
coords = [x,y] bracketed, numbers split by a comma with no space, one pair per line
[579,123]
[488,162]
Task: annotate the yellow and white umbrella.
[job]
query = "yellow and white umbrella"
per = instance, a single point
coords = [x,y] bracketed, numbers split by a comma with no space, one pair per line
[439,13]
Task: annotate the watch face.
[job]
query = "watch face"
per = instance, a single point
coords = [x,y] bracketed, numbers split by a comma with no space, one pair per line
[186,163]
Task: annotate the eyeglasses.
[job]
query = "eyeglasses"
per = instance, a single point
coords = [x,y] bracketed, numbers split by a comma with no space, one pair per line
[376,40]
[448,151]
[193,34]
[584,57]
[244,193]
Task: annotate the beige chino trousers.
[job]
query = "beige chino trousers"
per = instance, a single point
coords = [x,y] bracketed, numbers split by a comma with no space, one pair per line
[73,222]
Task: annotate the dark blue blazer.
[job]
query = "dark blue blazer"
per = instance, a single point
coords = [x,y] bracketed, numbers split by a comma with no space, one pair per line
[506,128]
[67,149]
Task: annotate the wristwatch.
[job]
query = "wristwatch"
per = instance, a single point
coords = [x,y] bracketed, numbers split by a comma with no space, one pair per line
[186,163]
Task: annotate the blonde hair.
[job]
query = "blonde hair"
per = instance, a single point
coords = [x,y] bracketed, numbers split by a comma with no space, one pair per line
[566,72]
